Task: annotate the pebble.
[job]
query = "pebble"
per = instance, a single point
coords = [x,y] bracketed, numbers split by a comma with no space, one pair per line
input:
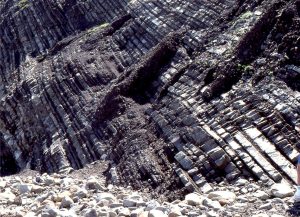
[224,197]
[66,197]
[242,199]
[266,206]
[238,207]
[261,215]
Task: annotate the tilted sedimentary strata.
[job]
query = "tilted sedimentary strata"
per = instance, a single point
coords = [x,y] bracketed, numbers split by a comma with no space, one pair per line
[175,94]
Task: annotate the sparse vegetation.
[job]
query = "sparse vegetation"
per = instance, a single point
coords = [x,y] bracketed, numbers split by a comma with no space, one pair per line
[97,28]
[23,4]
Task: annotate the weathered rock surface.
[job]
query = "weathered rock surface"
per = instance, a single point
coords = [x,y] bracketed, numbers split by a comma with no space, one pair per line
[174,95]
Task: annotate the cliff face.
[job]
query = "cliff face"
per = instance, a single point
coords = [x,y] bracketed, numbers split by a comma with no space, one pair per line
[175,94]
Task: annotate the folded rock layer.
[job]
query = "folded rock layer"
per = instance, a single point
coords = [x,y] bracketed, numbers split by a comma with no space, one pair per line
[175,95]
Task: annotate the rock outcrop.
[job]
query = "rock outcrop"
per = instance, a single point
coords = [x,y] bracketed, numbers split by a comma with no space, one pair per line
[175,95]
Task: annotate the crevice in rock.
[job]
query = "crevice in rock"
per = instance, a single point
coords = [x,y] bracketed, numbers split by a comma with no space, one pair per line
[8,165]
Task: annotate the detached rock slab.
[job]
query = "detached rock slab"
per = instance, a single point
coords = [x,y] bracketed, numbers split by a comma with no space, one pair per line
[224,197]
[282,190]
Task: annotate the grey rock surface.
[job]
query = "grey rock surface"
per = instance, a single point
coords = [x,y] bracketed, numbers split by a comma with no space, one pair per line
[175,96]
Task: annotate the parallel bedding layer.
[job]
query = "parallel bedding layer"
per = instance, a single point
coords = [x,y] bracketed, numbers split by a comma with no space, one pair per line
[174,94]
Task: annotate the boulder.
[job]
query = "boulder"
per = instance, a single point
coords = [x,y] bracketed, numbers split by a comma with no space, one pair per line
[156,213]
[143,214]
[59,197]
[137,212]
[91,213]
[212,214]
[107,196]
[241,182]
[93,184]
[282,190]
[66,202]
[194,199]
[2,184]
[129,202]
[37,189]
[81,193]
[261,195]
[112,214]
[24,188]
[124,212]
[224,197]
[7,197]
[152,204]
[174,213]
[211,204]
[50,212]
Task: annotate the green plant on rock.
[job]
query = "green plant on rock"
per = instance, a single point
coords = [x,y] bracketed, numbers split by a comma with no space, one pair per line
[97,28]
[23,4]
[246,70]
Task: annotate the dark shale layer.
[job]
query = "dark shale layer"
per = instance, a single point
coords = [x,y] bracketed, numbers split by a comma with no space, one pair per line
[175,95]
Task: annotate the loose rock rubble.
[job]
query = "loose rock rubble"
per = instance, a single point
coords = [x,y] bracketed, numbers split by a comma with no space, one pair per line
[62,195]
